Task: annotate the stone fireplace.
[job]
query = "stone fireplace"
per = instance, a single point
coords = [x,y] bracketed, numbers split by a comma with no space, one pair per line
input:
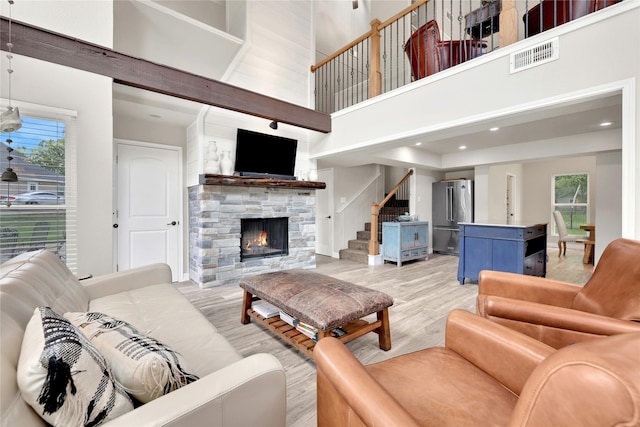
[241,226]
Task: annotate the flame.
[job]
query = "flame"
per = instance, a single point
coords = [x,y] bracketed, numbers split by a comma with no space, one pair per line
[260,240]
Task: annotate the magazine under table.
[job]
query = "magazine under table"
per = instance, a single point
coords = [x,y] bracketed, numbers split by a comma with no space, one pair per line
[321,301]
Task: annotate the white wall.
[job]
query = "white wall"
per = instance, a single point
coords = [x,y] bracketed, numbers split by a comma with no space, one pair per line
[497,200]
[355,189]
[481,194]
[149,131]
[212,13]
[392,176]
[38,82]
[279,51]
[609,193]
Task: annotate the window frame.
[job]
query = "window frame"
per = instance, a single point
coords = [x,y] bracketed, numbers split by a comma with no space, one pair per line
[558,206]
[69,207]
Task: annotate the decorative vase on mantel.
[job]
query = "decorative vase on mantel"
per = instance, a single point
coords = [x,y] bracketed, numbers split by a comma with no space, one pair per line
[226,164]
[211,159]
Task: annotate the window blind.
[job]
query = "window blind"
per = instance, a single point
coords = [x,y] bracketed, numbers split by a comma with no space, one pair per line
[39,211]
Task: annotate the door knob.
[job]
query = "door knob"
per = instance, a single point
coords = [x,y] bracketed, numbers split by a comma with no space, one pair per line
[328,217]
[115,225]
[172,223]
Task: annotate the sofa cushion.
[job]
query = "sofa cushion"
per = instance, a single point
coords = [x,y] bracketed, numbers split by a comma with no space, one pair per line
[145,367]
[162,312]
[63,377]
[39,278]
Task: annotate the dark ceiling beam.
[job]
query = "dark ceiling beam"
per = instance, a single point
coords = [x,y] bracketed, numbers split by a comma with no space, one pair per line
[60,49]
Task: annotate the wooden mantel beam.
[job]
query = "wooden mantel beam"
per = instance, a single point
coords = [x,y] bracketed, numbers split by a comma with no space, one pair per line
[60,49]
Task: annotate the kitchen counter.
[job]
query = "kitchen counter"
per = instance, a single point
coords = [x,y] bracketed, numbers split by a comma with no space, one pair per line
[502,247]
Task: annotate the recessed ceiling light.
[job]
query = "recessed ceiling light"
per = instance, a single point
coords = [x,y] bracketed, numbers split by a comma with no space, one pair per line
[493,129]
[603,124]
[418,143]
[462,147]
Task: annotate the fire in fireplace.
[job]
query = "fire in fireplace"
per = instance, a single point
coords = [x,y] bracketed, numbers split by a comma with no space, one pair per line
[264,237]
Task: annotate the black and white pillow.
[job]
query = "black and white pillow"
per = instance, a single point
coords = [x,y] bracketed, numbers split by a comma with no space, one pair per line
[145,367]
[64,377]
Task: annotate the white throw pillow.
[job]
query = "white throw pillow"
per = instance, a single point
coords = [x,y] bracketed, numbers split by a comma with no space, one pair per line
[63,377]
[145,367]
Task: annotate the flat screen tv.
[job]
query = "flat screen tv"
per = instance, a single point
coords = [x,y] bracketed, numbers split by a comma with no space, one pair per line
[266,156]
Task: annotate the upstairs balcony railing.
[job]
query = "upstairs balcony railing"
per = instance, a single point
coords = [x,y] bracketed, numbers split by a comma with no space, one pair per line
[430,36]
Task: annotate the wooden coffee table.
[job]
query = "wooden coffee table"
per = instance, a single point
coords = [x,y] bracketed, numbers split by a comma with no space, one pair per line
[321,301]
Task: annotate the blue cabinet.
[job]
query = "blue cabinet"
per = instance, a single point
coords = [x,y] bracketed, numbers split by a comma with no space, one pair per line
[404,241]
[513,248]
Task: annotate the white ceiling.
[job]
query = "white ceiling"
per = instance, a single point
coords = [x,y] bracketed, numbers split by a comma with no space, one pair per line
[548,123]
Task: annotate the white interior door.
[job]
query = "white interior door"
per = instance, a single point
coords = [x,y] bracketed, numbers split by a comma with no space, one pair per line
[148,206]
[324,214]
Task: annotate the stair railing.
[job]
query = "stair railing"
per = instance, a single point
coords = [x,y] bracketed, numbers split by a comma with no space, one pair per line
[402,186]
[376,62]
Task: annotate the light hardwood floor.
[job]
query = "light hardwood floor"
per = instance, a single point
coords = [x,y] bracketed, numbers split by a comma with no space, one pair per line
[424,293]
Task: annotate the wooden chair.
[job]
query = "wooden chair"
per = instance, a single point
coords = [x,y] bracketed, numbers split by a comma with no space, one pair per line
[563,235]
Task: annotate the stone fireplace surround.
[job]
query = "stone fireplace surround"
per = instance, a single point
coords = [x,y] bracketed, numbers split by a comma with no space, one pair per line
[216,207]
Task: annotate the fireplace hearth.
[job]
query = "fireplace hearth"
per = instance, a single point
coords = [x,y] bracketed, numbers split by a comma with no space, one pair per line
[264,237]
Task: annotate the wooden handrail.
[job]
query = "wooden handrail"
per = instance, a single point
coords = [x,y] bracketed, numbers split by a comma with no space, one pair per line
[375,209]
[341,51]
[402,13]
[376,26]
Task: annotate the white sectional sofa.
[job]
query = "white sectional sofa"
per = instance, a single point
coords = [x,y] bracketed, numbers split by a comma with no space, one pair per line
[232,390]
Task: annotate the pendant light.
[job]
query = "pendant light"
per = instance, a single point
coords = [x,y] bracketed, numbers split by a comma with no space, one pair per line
[10,119]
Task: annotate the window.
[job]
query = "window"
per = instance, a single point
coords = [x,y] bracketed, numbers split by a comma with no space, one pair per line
[571,198]
[38,211]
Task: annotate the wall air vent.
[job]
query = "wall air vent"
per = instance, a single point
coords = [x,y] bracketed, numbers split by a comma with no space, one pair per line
[536,55]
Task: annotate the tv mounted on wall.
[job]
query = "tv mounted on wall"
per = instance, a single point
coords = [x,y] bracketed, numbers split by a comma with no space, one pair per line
[265,156]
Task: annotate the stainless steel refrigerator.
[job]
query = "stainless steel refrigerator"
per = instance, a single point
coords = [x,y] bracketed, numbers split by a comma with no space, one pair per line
[452,203]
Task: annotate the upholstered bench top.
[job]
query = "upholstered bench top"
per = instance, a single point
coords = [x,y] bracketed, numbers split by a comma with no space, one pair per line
[318,300]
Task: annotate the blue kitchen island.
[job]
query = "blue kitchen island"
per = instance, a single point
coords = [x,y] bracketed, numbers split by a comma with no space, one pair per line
[493,246]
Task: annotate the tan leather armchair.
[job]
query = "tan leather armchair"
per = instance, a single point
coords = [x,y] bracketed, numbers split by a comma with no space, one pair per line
[559,313]
[485,375]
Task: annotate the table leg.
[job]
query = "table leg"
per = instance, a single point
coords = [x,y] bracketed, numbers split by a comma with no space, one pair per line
[588,254]
[384,332]
[246,305]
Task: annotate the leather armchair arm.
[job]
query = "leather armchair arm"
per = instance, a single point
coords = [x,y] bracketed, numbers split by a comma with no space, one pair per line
[470,336]
[557,317]
[594,383]
[250,392]
[345,387]
[127,280]
[523,287]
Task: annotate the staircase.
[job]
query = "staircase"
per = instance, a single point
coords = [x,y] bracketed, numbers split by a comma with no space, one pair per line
[358,249]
